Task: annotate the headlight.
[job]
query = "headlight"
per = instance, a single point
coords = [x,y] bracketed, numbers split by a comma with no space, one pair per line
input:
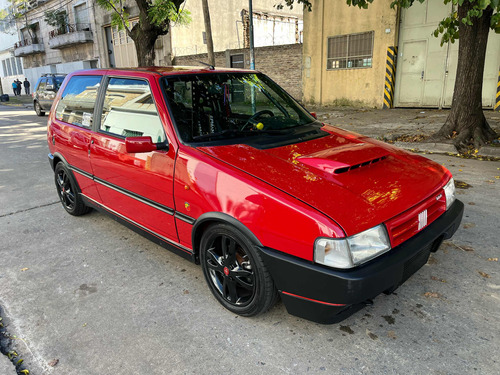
[449,192]
[352,251]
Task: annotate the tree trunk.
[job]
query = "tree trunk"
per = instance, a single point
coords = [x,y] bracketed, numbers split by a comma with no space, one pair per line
[466,124]
[144,46]
[208,33]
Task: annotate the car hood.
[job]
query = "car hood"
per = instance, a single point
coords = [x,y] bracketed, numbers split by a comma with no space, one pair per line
[356,181]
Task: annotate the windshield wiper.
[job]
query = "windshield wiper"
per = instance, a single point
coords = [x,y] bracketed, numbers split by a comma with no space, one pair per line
[240,132]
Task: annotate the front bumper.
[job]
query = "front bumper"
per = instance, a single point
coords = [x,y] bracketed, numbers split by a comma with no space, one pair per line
[327,295]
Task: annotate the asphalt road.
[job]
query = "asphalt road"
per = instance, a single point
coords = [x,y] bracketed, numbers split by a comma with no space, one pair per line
[103,300]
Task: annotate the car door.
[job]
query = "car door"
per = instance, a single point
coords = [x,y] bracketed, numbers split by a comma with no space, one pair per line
[40,90]
[136,186]
[71,128]
[49,93]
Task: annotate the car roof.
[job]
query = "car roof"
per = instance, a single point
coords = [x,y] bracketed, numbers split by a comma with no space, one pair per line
[165,70]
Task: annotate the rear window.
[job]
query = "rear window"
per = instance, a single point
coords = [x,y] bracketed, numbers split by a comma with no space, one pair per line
[78,100]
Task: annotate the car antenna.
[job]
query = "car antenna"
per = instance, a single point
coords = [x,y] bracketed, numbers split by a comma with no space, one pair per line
[210,66]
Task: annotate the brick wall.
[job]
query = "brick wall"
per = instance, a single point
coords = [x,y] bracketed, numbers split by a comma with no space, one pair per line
[283,64]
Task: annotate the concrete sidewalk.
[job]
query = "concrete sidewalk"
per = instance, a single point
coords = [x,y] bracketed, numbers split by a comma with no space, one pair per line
[6,366]
[403,123]
[25,101]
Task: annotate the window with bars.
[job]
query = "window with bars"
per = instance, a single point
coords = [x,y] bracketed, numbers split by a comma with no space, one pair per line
[350,51]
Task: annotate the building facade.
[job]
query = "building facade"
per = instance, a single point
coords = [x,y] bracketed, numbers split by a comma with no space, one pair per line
[56,49]
[11,67]
[383,58]
[229,21]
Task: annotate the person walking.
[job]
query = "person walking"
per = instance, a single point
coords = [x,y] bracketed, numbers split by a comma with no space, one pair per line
[19,87]
[14,87]
[27,85]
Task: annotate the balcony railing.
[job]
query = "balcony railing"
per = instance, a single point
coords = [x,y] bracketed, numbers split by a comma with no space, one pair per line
[70,35]
[69,28]
[29,46]
[28,42]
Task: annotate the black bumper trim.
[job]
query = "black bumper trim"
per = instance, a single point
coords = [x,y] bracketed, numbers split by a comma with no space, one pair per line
[353,287]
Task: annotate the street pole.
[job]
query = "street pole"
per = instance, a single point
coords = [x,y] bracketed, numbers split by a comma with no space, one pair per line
[250,19]
[252,54]
[208,33]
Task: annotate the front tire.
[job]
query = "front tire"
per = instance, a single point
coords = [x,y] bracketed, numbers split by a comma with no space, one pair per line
[234,271]
[38,109]
[68,192]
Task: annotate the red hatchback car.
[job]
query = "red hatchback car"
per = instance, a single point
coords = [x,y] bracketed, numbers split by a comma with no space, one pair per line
[226,169]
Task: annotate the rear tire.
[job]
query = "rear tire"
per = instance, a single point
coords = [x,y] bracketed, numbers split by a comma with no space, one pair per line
[38,109]
[68,191]
[234,271]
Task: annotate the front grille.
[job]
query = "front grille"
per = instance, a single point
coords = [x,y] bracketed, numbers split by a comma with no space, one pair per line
[406,225]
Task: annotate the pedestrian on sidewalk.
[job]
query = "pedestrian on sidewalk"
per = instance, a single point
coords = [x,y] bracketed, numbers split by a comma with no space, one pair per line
[27,85]
[19,87]
[14,87]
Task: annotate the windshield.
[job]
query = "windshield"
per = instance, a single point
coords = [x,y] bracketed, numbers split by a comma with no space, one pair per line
[221,106]
[59,81]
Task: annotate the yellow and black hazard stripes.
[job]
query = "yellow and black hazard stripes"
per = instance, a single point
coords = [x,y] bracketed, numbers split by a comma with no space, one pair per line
[497,99]
[390,76]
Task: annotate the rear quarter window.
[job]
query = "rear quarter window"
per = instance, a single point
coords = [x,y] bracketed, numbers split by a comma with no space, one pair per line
[78,100]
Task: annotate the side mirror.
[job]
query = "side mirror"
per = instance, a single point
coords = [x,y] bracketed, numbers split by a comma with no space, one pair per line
[143,144]
[313,114]
[49,87]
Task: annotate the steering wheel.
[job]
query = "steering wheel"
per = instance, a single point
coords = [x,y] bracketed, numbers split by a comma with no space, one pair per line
[255,116]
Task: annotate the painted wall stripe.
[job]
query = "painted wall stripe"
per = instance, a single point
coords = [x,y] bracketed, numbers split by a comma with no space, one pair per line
[390,76]
[497,100]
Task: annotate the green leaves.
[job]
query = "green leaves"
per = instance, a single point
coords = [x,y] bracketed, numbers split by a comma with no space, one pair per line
[56,18]
[163,10]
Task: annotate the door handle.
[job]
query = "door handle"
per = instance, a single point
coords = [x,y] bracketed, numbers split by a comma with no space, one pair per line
[422,75]
[91,143]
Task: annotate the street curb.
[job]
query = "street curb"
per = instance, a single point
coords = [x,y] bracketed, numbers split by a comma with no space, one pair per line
[436,148]
[490,151]
[16,105]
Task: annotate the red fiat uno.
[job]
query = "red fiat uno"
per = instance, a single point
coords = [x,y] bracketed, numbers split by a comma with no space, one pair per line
[226,169]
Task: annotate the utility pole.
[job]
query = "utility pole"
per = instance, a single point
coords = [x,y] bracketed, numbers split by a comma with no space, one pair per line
[208,33]
[250,26]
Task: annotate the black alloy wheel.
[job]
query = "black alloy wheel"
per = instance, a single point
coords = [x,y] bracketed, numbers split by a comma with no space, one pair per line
[67,191]
[38,110]
[235,272]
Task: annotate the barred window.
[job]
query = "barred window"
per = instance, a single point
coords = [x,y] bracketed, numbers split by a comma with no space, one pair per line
[350,51]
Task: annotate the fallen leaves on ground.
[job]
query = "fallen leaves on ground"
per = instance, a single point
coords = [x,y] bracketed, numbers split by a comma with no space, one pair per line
[371,335]
[24,269]
[484,274]
[411,138]
[465,248]
[462,185]
[432,295]
[53,362]
[438,279]
[468,225]
[493,259]
[392,335]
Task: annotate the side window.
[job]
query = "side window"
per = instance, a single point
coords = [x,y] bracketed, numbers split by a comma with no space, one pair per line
[78,100]
[41,86]
[129,110]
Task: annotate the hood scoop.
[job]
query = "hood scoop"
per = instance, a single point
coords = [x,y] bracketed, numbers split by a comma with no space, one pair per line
[345,158]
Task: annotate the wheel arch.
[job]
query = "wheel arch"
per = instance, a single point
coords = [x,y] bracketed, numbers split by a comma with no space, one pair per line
[209,218]
[59,158]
